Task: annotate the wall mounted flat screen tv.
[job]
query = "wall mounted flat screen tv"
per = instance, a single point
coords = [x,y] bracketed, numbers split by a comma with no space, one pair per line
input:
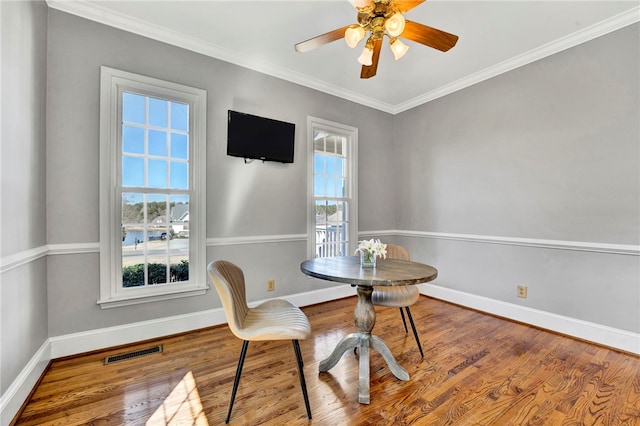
[253,137]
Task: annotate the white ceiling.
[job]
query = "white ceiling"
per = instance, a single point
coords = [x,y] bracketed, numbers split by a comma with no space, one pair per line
[495,37]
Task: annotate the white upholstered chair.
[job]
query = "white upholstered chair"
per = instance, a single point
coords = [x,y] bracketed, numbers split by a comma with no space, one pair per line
[398,296]
[275,319]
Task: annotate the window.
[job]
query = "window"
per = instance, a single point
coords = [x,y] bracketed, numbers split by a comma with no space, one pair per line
[152,219]
[333,229]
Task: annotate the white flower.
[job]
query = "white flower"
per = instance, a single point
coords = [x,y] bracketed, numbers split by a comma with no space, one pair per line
[372,247]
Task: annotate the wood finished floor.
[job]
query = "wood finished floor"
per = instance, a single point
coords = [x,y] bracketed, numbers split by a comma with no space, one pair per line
[477,370]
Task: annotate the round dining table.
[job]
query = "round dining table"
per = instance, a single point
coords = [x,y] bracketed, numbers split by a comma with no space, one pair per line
[387,272]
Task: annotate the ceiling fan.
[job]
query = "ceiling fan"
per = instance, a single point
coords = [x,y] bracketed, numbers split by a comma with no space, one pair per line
[379,18]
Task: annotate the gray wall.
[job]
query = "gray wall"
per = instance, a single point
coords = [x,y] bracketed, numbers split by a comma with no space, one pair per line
[243,200]
[548,151]
[23,286]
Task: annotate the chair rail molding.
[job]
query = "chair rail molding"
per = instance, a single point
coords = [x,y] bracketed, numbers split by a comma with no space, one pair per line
[255,239]
[22,258]
[621,249]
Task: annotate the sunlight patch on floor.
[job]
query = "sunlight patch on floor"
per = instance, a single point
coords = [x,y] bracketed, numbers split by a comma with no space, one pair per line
[181,407]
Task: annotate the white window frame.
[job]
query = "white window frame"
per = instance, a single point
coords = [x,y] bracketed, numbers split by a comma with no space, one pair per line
[351,134]
[113,83]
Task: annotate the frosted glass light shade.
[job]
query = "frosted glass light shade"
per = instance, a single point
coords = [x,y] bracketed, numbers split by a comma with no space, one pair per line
[398,48]
[366,57]
[395,25]
[353,35]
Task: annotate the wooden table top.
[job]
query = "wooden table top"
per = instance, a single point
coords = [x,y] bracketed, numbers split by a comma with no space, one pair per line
[389,272]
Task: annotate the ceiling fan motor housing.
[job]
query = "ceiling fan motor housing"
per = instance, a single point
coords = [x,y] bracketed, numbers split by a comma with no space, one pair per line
[373,17]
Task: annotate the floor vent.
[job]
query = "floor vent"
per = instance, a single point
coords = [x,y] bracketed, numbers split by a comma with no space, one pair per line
[134,354]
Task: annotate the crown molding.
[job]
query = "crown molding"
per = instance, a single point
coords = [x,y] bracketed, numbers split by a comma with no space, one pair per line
[124,22]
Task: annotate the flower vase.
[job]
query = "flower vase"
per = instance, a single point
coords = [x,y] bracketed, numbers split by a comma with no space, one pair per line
[367,259]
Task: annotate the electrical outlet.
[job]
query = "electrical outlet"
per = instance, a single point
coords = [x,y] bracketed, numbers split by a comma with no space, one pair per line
[271,285]
[522,291]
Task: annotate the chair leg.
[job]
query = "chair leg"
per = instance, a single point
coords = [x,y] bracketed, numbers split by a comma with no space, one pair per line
[303,384]
[415,333]
[404,321]
[243,354]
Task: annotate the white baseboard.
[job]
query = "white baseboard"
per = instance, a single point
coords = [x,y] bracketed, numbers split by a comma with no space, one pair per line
[18,392]
[592,332]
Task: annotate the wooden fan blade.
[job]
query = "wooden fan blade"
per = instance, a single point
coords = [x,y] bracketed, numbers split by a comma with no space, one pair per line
[369,71]
[321,40]
[428,36]
[405,5]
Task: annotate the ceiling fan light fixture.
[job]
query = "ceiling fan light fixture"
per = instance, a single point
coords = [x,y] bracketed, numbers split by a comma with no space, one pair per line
[398,48]
[353,35]
[395,25]
[366,57]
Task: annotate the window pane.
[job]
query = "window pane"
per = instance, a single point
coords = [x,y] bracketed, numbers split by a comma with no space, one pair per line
[179,146]
[331,165]
[341,211]
[132,237]
[318,186]
[157,241]
[331,187]
[342,187]
[133,108]
[179,232]
[132,171]
[318,163]
[157,211]
[340,170]
[157,112]
[321,212]
[180,267]
[179,116]
[132,139]
[132,212]
[157,143]
[339,147]
[157,273]
[157,174]
[179,175]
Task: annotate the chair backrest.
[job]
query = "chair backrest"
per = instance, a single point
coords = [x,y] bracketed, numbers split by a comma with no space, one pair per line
[229,282]
[397,252]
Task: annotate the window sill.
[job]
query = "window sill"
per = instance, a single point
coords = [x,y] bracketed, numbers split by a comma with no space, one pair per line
[117,302]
